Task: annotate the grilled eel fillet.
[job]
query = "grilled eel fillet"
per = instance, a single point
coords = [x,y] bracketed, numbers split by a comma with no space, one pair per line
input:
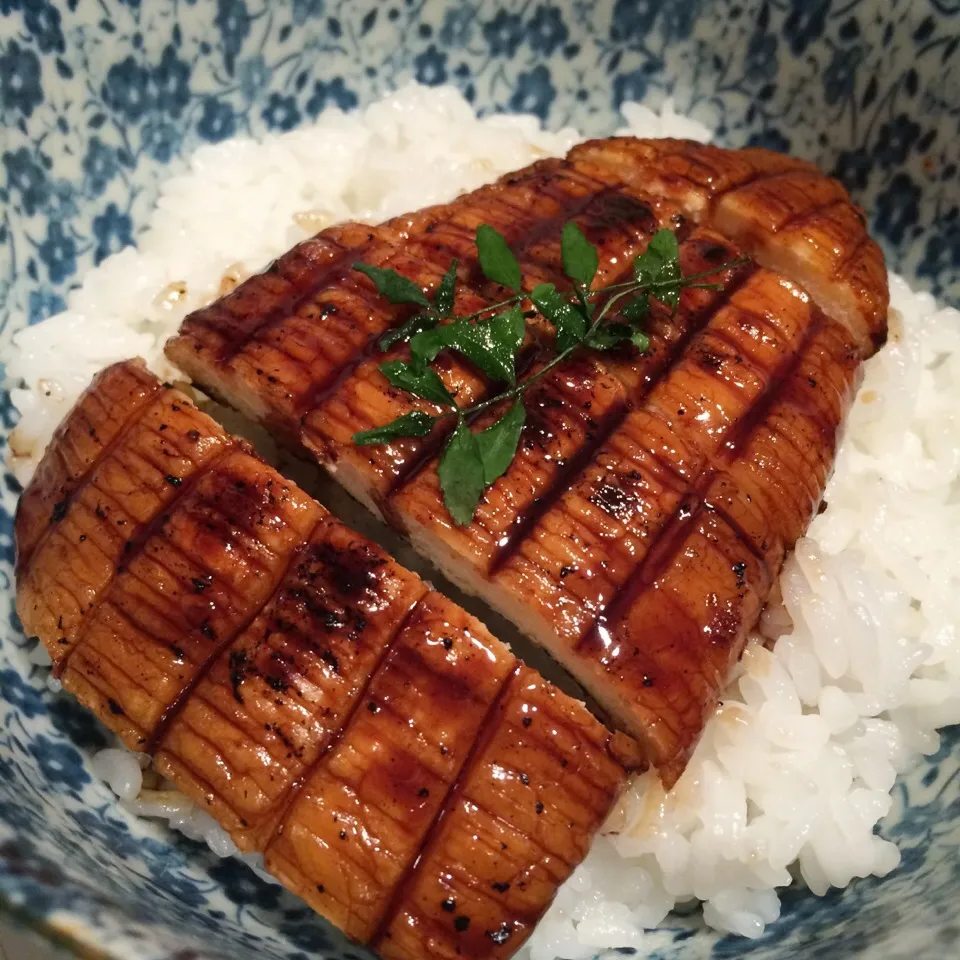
[398,767]
[642,524]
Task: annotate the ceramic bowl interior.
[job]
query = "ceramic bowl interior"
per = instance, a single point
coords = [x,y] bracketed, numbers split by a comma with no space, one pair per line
[101,98]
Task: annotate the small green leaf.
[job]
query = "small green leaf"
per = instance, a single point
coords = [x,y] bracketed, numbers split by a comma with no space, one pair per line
[566,317]
[665,245]
[578,254]
[413,326]
[508,330]
[498,443]
[491,343]
[413,424]
[667,288]
[496,259]
[446,291]
[428,343]
[420,381]
[640,340]
[636,309]
[646,266]
[461,475]
[609,335]
[393,286]
[663,252]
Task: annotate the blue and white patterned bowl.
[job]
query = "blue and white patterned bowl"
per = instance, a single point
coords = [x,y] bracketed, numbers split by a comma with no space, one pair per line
[100,98]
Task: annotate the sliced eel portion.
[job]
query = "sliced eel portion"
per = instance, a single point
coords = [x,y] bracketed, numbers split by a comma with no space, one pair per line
[784,212]
[92,508]
[507,836]
[320,701]
[310,370]
[363,811]
[276,697]
[653,498]
[216,554]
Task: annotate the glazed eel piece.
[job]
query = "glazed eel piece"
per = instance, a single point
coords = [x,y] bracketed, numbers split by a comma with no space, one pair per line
[639,530]
[398,767]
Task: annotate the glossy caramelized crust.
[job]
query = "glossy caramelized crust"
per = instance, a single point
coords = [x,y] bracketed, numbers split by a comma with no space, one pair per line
[653,498]
[321,703]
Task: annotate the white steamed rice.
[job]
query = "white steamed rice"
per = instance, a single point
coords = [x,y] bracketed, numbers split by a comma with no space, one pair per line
[795,770]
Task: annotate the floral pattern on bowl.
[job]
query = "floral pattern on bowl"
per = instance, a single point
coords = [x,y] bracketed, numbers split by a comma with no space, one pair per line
[99,98]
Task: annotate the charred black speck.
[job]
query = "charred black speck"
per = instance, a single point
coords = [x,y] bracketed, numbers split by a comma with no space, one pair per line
[527,721]
[306,599]
[448,905]
[207,630]
[330,659]
[715,253]
[201,583]
[739,569]
[373,706]
[539,808]
[238,672]
[321,888]
[115,707]
[613,500]
[423,792]
[461,924]
[566,571]
[710,361]
[172,480]
[59,511]
[524,779]
[277,683]
[352,570]
[447,643]
[647,680]
[501,936]
[616,207]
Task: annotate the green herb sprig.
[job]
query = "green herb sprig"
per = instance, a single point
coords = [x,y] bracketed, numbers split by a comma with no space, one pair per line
[491,338]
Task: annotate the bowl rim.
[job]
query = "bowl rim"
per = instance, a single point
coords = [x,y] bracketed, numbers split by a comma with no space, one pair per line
[80,941]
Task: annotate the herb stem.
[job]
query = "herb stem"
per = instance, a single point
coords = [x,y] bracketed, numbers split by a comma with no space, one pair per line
[518,298]
[523,385]
[685,281]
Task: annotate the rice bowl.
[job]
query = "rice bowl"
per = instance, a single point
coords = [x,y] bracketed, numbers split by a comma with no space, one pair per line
[853,673]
